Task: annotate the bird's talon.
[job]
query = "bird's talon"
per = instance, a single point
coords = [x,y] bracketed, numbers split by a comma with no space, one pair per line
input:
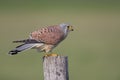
[53,54]
[48,55]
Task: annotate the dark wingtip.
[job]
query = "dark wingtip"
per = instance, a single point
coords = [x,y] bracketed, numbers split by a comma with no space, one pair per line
[13,52]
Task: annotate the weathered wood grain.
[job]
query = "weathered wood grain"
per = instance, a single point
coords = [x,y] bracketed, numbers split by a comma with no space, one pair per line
[55,68]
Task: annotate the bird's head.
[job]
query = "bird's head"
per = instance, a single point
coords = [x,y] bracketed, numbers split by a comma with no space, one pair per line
[66,27]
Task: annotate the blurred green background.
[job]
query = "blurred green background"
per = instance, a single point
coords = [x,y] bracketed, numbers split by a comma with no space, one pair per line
[93,48]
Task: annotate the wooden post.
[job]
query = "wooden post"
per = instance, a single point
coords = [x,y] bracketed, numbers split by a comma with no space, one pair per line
[55,68]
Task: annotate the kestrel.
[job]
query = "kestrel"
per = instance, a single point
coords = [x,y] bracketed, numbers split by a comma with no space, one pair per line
[44,39]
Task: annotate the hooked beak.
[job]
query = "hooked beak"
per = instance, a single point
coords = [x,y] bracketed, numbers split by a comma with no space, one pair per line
[71,28]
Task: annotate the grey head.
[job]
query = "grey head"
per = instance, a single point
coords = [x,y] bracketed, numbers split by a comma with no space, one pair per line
[66,28]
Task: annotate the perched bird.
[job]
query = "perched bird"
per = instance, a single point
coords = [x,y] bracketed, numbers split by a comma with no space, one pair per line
[44,39]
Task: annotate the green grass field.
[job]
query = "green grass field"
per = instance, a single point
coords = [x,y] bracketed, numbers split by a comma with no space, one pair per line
[93,48]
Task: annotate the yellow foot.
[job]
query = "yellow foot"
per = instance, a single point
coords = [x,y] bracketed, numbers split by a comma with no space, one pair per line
[53,54]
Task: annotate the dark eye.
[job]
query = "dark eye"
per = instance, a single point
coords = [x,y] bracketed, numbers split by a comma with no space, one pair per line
[68,27]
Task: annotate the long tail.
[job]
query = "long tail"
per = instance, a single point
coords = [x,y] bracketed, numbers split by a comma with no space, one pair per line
[27,44]
[26,41]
